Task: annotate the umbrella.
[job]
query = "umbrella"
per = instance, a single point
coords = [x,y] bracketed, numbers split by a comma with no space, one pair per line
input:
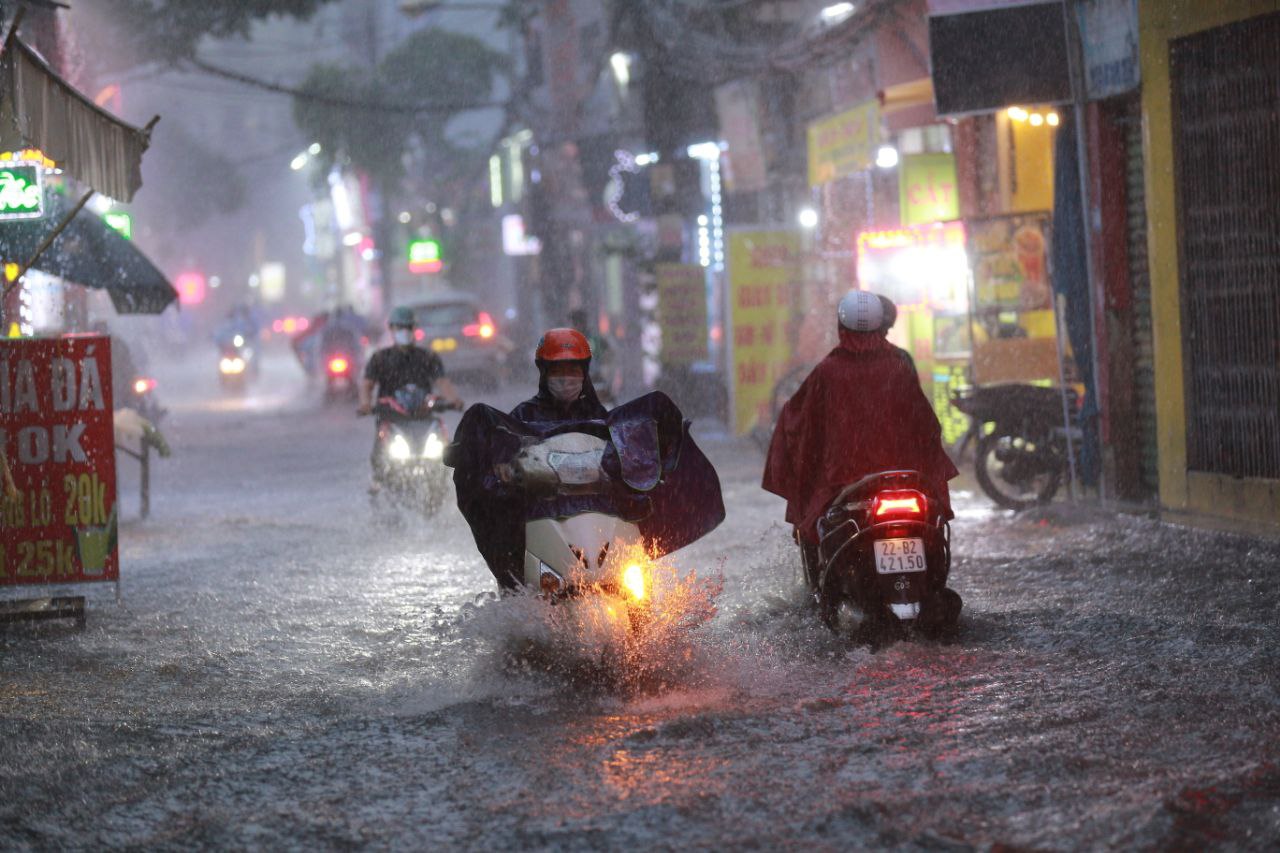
[90,253]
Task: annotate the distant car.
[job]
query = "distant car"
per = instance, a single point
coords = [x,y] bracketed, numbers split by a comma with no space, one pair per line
[465,337]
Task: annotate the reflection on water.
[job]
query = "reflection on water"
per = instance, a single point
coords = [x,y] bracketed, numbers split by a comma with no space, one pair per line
[283,674]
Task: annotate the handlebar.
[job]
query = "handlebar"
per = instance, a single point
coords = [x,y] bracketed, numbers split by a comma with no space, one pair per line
[388,405]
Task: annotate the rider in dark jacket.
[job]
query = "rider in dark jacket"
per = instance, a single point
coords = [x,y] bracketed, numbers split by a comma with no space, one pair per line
[565,392]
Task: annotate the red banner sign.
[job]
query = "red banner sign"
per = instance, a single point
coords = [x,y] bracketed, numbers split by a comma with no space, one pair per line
[56,435]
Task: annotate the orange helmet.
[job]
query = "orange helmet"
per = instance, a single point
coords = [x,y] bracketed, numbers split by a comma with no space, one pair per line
[563,345]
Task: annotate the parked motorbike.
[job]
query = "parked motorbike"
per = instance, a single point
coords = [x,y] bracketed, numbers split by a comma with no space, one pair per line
[411,440]
[1022,447]
[885,549]
[588,553]
[237,364]
[140,395]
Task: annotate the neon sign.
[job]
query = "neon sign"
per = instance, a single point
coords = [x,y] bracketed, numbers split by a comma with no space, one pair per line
[425,256]
[120,222]
[21,191]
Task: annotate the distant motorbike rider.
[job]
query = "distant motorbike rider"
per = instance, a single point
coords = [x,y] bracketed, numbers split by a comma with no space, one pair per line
[565,390]
[239,323]
[402,364]
[859,412]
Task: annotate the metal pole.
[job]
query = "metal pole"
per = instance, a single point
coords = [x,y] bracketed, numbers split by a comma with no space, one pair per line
[1075,63]
[146,479]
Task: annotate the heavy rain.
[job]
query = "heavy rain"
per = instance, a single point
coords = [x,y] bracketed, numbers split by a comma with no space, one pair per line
[661,424]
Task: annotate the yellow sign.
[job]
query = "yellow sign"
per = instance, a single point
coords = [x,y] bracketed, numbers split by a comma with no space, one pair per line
[927,189]
[844,143]
[764,270]
[682,312]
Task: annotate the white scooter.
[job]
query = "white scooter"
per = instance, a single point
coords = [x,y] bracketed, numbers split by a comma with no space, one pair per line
[587,554]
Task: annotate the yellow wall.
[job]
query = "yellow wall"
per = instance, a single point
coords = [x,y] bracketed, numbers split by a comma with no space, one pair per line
[1026,171]
[1159,22]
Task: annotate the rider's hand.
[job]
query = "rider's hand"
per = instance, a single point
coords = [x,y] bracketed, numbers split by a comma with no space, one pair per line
[505,473]
[364,409]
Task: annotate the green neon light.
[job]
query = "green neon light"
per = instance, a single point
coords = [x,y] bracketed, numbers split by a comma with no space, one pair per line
[120,222]
[21,194]
[424,251]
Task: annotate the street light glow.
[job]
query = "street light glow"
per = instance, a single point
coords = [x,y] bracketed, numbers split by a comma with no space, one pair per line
[837,12]
[887,157]
[621,65]
[298,162]
[808,217]
[703,151]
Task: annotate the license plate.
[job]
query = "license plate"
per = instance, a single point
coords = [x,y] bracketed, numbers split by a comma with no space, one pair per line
[444,344]
[896,556]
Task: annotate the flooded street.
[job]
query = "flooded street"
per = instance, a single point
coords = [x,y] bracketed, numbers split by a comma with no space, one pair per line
[282,673]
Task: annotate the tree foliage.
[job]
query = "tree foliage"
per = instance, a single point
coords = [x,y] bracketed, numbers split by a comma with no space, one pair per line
[169,30]
[363,115]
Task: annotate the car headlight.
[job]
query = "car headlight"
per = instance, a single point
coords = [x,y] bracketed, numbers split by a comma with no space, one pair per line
[434,448]
[399,449]
[231,365]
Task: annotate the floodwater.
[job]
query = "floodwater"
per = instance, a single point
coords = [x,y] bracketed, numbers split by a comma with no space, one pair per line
[283,673]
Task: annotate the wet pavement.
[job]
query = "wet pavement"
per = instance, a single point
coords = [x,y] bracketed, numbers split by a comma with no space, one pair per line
[284,673]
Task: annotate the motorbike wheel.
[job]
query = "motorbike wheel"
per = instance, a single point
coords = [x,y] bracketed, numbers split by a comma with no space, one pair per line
[1009,471]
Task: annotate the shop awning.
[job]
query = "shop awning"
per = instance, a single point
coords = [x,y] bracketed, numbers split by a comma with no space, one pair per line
[38,109]
[90,253]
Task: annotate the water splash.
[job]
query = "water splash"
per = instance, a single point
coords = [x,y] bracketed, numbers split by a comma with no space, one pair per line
[602,640]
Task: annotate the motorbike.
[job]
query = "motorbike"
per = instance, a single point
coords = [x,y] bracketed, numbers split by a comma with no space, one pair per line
[583,513]
[592,553]
[340,377]
[140,396]
[411,441]
[237,363]
[884,548]
[1022,447]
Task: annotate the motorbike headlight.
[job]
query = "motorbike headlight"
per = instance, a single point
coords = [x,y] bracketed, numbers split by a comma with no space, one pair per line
[434,448]
[633,581]
[399,449]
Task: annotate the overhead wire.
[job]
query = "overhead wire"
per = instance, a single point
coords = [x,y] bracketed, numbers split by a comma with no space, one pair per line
[209,68]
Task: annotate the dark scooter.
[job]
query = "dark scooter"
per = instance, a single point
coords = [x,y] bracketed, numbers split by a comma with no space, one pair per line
[885,549]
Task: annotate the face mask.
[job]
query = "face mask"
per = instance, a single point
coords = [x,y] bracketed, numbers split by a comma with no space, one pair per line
[402,337]
[565,388]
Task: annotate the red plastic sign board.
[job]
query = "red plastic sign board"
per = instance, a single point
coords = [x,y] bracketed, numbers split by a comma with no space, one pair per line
[56,434]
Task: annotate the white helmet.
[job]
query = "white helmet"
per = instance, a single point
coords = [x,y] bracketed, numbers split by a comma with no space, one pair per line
[861,311]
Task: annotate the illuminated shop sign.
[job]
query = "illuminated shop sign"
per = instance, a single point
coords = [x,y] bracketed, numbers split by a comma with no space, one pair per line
[21,191]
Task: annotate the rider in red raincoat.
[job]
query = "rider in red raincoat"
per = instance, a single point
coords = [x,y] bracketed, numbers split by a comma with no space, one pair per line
[860,411]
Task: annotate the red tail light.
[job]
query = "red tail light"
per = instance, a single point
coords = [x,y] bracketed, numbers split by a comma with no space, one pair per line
[483,329]
[338,366]
[907,503]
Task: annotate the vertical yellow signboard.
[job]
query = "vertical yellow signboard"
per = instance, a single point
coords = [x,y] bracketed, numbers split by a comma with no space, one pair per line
[764,269]
[682,312]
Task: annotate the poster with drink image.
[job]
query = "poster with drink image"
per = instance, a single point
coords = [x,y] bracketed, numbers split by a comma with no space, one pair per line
[1010,258]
